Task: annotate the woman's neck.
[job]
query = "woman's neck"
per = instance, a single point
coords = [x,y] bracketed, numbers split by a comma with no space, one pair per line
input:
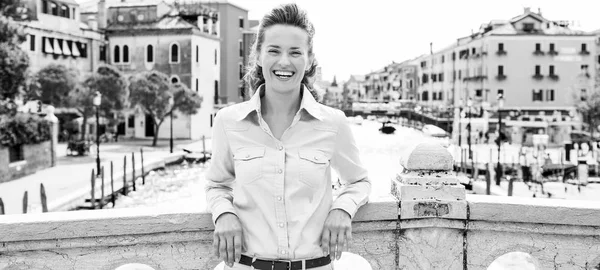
[281,104]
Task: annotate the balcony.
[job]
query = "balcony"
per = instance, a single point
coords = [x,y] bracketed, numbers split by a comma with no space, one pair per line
[501,52]
[538,53]
[475,78]
[553,77]
[586,52]
[552,52]
[414,226]
[537,76]
[501,77]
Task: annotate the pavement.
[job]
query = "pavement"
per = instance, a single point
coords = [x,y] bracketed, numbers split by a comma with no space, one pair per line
[69,181]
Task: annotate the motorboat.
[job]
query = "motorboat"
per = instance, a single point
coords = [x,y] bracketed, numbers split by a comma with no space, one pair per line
[387,129]
[434,131]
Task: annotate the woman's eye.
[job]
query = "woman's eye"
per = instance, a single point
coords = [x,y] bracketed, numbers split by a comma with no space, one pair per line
[273,51]
[296,53]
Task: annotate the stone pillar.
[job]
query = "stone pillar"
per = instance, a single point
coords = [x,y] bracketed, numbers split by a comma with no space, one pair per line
[433,210]
[54,131]
[200,23]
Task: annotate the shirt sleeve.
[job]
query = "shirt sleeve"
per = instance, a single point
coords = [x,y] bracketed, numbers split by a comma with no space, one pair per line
[346,162]
[220,175]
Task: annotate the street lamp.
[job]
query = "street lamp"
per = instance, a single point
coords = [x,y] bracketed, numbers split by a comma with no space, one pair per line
[96,101]
[499,140]
[469,104]
[171,102]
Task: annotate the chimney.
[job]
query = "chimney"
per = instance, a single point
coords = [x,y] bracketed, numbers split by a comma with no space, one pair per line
[92,23]
[102,14]
[540,11]
[527,10]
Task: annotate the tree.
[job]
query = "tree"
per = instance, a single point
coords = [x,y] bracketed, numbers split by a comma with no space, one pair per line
[13,61]
[53,83]
[589,107]
[151,92]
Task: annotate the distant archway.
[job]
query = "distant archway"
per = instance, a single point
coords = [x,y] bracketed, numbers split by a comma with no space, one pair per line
[134,266]
[515,260]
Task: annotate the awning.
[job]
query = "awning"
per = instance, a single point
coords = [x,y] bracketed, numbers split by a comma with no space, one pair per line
[74,50]
[56,48]
[47,45]
[65,47]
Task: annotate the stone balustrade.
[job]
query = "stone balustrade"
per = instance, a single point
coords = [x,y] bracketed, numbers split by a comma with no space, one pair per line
[427,222]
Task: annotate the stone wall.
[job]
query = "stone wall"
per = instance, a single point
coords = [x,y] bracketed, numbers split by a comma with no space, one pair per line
[36,157]
[428,223]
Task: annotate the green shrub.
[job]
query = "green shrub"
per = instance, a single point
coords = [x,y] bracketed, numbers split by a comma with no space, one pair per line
[23,128]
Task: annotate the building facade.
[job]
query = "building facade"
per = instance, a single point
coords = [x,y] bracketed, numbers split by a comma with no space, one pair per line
[233,22]
[182,42]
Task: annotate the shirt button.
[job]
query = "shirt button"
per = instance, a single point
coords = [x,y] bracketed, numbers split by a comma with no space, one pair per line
[316,158]
[279,171]
[280,148]
[279,198]
[283,252]
[280,225]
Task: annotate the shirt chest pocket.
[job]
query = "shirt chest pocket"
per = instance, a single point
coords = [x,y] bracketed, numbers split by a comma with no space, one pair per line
[249,164]
[313,167]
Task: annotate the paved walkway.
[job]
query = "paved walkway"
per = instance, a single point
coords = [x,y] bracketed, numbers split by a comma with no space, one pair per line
[70,179]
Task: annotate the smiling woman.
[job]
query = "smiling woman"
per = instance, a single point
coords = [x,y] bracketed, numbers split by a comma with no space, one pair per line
[269,186]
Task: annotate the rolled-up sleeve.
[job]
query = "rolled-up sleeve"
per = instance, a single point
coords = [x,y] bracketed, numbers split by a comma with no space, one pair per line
[346,162]
[220,175]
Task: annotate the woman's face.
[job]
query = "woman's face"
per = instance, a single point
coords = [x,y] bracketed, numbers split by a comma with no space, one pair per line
[284,57]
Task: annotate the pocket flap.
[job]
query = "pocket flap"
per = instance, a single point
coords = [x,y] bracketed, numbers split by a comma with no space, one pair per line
[249,153]
[314,156]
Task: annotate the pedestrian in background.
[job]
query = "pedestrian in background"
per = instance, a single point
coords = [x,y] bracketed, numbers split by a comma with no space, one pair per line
[269,184]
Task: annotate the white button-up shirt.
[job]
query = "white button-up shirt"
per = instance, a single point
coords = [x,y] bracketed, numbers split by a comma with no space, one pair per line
[281,189]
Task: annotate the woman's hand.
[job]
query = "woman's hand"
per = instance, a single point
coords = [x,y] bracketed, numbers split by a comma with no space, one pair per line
[228,241]
[337,233]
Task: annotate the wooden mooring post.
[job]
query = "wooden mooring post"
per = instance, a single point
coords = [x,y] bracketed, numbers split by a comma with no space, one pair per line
[112,185]
[43,198]
[93,199]
[133,167]
[125,187]
[102,188]
[143,172]
[25,203]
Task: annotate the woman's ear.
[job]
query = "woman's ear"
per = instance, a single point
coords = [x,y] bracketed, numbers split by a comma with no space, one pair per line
[312,61]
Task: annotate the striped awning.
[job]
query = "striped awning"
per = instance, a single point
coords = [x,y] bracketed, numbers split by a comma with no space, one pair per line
[74,50]
[65,46]
[56,47]
[48,46]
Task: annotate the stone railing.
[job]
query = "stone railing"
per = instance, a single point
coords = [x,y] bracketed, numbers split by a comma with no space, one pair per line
[428,223]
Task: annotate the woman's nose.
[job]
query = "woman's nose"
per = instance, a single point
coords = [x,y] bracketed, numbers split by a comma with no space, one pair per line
[284,60]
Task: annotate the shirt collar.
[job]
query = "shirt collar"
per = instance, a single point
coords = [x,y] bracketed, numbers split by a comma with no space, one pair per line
[308,103]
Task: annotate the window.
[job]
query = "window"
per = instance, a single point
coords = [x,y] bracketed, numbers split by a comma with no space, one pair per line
[32,43]
[454,75]
[425,78]
[473,50]
[453,56]
[216,92]
[537,70]
[538,47]
[197,54]
[73,12]
[45,6]
[215,57]
[174,53]
[117,55]
[500,70]
[15,153]
[500,46]
[551,47]
[584,47]
[537,95]
[584,67]
[241,71]
[149,54]
[64,11]
[583,95]
[441,96]
[241,22]
[434,96]
[53,9]
[478,93]
[197,85]
[441,77]
[82,49]
[174,79]
[442,59]
[425,96]
[501,92]
[131,121]
[125,54]
[528,27]
[410,83]
[434,77]
[102,53]
[550,95]
[598,59]
[241,49]
[459,74]
[551,70]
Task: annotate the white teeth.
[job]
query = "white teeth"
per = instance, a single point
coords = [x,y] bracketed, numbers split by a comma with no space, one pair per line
[284,73]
